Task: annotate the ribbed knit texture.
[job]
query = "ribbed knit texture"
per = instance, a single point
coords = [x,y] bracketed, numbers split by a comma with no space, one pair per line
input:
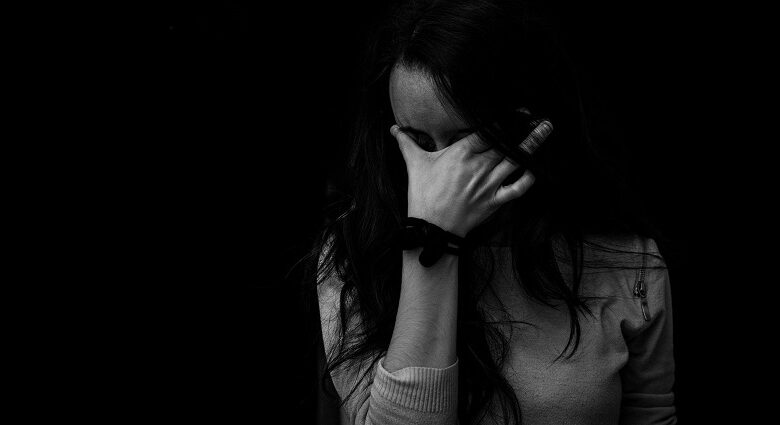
[425,389]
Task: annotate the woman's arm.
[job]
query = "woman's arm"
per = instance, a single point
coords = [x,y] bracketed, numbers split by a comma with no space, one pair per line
[411,391]
[455,188]
[425,326]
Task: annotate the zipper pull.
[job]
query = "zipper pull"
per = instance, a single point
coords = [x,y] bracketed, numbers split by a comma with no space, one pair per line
[645,310]
[641,292]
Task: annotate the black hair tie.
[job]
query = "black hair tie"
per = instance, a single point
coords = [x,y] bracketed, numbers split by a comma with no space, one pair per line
[435,241]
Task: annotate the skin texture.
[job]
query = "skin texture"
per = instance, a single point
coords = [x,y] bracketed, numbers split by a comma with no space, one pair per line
[414,102]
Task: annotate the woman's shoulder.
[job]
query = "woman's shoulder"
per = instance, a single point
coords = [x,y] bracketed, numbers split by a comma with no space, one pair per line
[615,265]
[329,285]
[629,274]
[330,291]
[620,244]
[329,294]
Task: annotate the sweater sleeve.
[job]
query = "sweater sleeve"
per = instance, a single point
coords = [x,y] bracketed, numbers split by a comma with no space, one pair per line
[648,376]
[412,395]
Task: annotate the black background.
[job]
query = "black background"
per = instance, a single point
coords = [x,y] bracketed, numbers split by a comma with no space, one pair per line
[239,113]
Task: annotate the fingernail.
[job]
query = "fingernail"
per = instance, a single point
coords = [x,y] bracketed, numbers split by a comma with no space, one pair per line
[545,128]
[537,137]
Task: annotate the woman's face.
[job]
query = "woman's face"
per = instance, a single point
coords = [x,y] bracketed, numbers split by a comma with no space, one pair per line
[419,112]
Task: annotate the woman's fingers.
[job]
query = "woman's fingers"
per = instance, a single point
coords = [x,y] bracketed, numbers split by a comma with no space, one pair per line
[537,137]
[531,143]
[515,190]
[409,148]
[474,145]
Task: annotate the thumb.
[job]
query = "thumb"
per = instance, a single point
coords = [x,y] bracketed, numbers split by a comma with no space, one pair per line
[409,148]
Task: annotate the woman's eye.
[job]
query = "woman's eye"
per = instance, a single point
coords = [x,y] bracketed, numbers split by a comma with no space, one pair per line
[425,142]
[458,137]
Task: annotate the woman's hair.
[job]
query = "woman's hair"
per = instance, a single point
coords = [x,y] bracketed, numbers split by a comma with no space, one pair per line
[487,58]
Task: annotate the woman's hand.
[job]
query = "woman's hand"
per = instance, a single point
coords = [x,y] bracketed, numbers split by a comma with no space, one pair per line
[458,187]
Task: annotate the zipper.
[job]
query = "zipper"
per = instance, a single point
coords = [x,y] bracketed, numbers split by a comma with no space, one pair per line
[641,291]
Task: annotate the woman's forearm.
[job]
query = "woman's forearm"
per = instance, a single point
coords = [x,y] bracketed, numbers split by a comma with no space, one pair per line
[426,324]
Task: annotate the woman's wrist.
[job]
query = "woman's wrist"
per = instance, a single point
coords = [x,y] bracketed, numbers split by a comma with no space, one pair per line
[430,240]
[442,224]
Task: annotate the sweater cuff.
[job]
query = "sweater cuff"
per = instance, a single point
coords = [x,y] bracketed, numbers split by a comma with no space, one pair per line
[425,389]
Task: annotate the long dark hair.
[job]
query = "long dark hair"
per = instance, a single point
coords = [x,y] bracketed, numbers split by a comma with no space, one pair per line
[487,58]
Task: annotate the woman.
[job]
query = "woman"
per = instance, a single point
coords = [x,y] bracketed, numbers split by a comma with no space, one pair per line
[557,308]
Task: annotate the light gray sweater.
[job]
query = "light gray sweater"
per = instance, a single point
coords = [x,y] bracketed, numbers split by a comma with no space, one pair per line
[622,372]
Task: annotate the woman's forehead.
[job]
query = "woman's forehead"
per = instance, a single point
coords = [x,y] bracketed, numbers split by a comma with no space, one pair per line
[413,97]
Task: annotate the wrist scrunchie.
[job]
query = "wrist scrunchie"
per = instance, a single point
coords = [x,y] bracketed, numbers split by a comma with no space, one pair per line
[435,241]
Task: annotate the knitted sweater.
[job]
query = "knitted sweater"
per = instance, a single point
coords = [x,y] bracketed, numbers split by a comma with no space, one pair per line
[621,373]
